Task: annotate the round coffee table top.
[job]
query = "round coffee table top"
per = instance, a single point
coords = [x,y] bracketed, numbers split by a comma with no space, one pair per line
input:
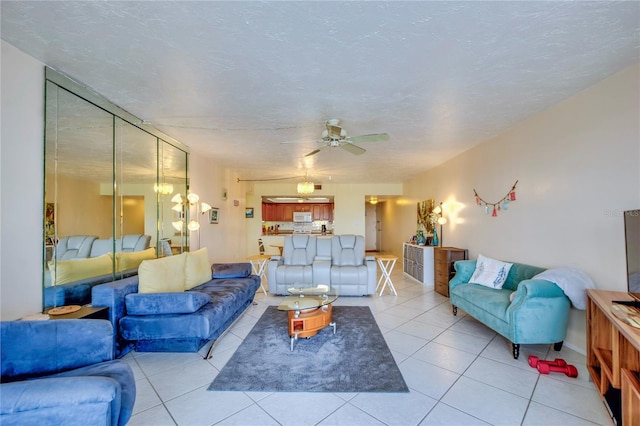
[307,296]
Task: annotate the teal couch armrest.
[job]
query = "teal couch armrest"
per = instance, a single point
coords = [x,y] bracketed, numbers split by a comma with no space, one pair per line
[539,313]
[464,271]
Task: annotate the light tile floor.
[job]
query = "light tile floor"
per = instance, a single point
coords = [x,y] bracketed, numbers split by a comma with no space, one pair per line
[459,373]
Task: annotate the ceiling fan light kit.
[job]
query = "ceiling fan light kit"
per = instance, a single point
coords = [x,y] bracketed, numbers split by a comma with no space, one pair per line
[335,136]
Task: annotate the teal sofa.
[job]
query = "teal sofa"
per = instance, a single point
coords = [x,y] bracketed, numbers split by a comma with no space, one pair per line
[538,313]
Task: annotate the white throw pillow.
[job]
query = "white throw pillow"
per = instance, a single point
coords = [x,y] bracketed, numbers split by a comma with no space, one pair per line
[197,268]
[490,272]
[164,275]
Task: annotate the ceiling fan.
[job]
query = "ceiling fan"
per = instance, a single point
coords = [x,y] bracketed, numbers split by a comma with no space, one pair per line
[334,136]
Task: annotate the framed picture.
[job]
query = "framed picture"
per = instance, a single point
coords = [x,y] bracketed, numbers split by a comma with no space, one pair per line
[213,215]
[248,212]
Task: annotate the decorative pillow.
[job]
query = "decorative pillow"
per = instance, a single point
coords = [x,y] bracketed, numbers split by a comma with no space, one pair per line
[197,268]
[132,259]
[165,303]
[67,271]
[162,275]
[490,272]
[231,270]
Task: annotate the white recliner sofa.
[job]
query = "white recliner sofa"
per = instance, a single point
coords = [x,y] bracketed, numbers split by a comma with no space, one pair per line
[86,246]
[337,260]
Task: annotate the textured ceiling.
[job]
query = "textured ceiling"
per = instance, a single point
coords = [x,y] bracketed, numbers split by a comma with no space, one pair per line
[233,80]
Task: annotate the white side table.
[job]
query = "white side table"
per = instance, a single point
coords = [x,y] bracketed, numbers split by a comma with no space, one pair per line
[259,265]
[386,262]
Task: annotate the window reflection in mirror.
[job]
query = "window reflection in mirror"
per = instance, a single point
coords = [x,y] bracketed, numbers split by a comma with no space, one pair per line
[103,209]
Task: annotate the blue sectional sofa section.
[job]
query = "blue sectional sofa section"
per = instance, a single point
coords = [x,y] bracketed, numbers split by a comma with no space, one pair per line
[538,314]
[62,372]
[176,322]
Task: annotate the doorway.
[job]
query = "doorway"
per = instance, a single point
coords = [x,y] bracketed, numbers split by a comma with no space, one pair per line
[372,225]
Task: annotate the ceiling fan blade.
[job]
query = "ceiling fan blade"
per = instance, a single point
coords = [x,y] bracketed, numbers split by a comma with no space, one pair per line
[375,137]
[353,148]
[315,151]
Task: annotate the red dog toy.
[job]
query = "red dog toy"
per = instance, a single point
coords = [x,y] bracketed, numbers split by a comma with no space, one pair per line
[557,366]
[534,361]
[569,370]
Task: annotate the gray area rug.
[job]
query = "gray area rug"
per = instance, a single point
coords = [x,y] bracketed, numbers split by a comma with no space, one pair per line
[355,359]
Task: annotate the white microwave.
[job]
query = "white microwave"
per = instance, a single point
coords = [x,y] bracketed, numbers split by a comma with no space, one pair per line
[302,217]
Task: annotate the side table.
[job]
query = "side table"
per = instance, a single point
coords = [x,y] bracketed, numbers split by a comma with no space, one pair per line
[386,263]
[259,265]
[85,312]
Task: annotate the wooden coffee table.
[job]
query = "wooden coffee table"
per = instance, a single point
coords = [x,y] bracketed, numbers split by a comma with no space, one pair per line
[308,309]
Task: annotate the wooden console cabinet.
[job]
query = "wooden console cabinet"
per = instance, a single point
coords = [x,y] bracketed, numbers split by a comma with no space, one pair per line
[444,257]
[613,356]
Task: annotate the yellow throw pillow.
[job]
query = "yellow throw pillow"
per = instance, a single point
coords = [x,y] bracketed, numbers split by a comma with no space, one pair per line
[197,268]
[164,275]
[131,260]
[67,271]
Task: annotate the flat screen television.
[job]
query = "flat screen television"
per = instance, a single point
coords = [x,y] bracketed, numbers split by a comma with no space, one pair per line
[632,246]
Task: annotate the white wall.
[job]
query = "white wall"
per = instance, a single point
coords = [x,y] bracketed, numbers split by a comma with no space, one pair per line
[225,241]
[578,166]
[21,183]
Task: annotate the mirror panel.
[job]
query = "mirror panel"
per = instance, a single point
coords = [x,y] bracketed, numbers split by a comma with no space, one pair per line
[135,199]
[78,155]
[103,211]
[173,219]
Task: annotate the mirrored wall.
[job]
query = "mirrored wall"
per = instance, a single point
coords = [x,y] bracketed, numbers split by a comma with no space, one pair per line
[109,182]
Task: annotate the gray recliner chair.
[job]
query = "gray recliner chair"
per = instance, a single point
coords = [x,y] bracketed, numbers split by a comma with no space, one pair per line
[352,273]
[74,247]
[338,261]
[295,265]
[133,242]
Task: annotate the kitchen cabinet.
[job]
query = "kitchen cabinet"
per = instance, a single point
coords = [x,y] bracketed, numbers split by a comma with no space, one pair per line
[288,212]
[317,211]
[283,212]
[327,212]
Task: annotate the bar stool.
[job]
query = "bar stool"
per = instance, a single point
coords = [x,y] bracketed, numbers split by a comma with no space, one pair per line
[259,266]
[386,262]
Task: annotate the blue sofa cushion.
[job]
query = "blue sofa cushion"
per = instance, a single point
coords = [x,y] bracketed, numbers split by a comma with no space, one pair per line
[122,376]
[58,401]
[165,303]
[25,342]
[230,270]
[227,296]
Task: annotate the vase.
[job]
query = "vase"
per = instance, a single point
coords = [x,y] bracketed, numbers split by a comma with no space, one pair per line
[421,240]
[435,237]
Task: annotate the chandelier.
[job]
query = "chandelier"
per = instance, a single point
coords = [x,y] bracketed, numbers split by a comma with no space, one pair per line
[163,188]
[305,187]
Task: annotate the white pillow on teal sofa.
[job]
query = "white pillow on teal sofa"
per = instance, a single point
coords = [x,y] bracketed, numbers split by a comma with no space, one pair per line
[490,272]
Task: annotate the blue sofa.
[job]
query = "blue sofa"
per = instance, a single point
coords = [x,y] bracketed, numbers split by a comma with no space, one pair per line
[62,372]
[538,313]
[177,321]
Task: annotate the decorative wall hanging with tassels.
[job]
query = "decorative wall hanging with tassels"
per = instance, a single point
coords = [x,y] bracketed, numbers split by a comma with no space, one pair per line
[502,204]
